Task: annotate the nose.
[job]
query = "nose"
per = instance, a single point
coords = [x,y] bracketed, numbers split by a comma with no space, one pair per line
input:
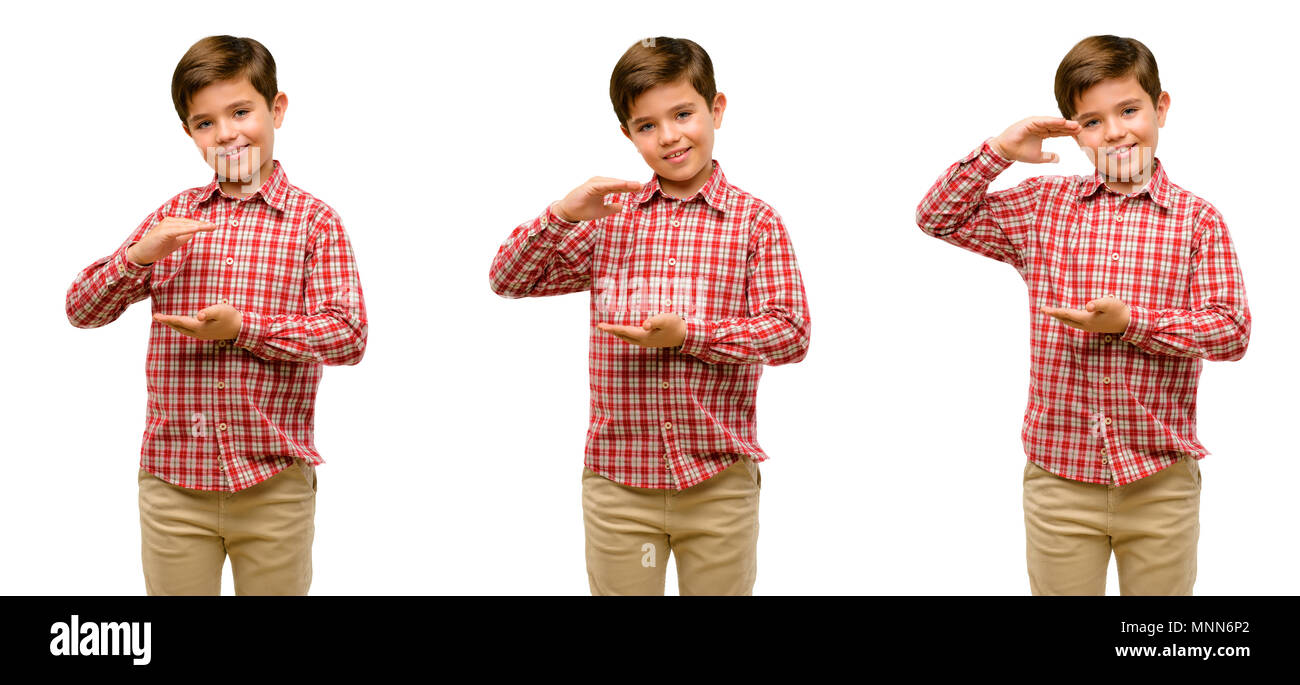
[1114,130]
[226,131]
[669,134]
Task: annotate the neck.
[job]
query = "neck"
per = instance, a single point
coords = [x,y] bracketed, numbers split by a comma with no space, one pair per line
[243,189]
[684,189]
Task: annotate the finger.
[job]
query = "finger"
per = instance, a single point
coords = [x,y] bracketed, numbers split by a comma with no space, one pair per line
[607,186]
[618,330]
[175,326]
[190,230]
[611,208]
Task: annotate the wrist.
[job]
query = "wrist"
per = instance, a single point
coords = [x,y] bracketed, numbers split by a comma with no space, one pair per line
[998,149]
[134,257]
[555,211]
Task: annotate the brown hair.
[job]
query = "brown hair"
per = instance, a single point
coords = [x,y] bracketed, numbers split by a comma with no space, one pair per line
[655,61]
[219,58]
[1097,58]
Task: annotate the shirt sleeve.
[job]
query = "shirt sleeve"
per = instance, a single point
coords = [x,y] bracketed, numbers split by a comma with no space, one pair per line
[959,210]
[1218,327]
[777,329]
[334,331]
[538,259]
[103,290]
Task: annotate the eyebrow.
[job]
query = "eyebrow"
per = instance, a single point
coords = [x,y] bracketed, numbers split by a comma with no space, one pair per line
[637,121]
[241,103]
[1125,103]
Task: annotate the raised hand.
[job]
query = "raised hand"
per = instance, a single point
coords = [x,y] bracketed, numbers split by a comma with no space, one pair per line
[1023,141]
[218,322]
[165,238]
[587,201]
[1105,315]
[660,330]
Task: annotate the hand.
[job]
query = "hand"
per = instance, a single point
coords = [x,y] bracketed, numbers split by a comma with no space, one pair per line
[1106,315]
[1023,142]
[660,330]
[165,238]
[587,201]
[218,322]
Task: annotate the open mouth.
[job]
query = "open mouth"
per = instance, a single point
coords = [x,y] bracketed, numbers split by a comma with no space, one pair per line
[236,152]
[677,154]
[1121,151]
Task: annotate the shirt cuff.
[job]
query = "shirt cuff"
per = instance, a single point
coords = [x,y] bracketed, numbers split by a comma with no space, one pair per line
[985,161]
[698,336]
[550,218]
[126,267]
[252,332]
[1140,323]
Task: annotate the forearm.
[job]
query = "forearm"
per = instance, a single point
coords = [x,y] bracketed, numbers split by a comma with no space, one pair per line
[956,197]
[1215,333]
[103,290]
[538,259]
[775,338]
[333,336]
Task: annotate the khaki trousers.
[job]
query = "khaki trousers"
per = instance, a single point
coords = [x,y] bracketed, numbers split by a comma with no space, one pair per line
[1152,525]
[712,529]
[267,530]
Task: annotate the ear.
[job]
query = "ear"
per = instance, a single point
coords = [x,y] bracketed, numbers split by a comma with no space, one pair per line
[278,106]
[719,105]
[625,133]
[1162,109]
[186,129]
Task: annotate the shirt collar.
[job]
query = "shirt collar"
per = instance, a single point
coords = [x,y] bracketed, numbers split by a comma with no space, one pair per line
[714,190]
[1157,188]
[274,190]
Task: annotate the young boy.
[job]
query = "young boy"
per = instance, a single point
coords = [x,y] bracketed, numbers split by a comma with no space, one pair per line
[254,287]
[694,286]
[1132,281]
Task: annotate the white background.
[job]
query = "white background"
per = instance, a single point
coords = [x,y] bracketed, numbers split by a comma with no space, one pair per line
[455,449]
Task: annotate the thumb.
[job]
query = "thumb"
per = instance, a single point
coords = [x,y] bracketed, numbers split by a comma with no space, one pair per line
[1091,306]
[204,314]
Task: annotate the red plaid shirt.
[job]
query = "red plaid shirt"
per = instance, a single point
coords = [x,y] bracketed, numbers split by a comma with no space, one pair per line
[228,414]
[670,418]
[1105,408]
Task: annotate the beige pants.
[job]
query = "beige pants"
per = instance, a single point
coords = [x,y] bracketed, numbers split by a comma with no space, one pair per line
[1151,524]
[712,529]
[267,530]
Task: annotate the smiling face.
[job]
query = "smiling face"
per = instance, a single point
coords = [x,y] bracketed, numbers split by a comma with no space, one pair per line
[1119,129]
[231,125]
[672,127]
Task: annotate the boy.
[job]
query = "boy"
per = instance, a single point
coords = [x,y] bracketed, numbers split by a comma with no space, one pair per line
[694,286]
[1133,282]
[254,287]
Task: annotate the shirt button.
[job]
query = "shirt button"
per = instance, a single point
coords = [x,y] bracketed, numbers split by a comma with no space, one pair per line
[668,425]
[665,385]
[234,222]
[121,269]
[1111,295]
[1105,380]
[221,343]
[231,260]
[221,385]
[221,467]
[224,300]
[221,426]
[1114,256]
[1104,460]
[667,302]
[676,223]
[1108,339]
[672,262]
[1120,218]
[1107,420]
